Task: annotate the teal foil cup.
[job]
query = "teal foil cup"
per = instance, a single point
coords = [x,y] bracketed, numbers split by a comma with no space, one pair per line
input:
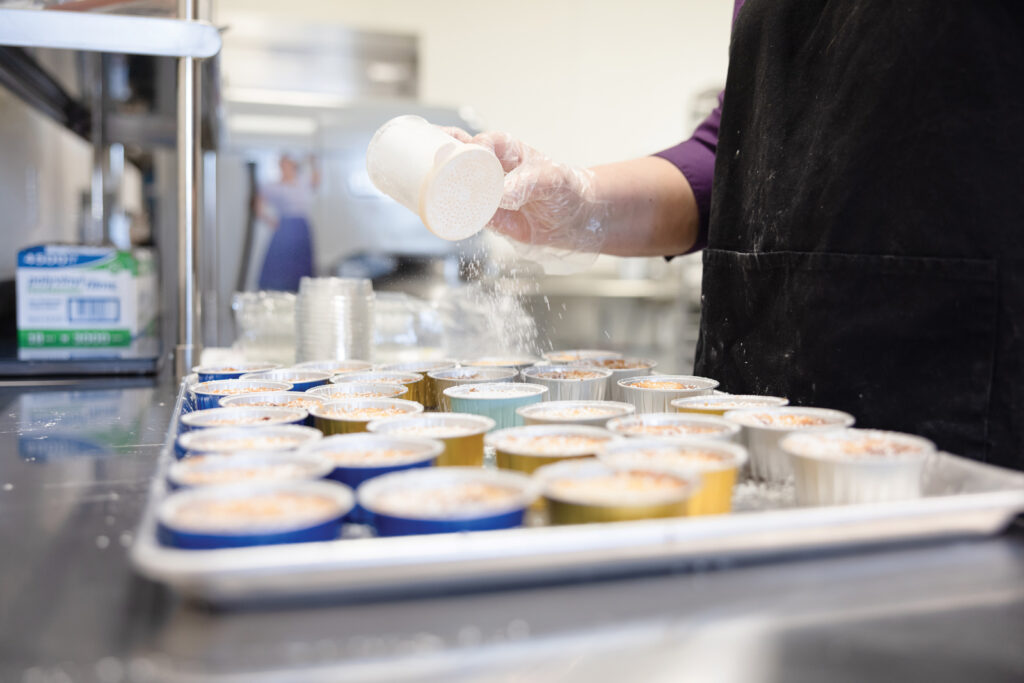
[498,400]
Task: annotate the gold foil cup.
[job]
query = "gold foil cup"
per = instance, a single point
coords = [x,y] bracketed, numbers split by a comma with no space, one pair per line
[718,477]
[327,419]
[464,448]
[656,505]
[512,456]
[719,404]
[715,495]
[428,395]
[562,512]
[453,377]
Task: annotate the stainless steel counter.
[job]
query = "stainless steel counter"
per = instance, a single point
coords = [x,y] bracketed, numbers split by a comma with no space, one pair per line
[75,462]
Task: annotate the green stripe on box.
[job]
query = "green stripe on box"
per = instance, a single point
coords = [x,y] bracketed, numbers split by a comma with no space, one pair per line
[122,260]
[64,339]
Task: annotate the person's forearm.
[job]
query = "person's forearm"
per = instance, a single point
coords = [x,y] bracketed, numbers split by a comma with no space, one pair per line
[651,208]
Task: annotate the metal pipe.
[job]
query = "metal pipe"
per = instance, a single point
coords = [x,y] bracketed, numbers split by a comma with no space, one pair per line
[188,348]
[96,226]
[209,279]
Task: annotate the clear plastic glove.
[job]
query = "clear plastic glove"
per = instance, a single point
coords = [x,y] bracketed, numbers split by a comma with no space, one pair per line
[549,210]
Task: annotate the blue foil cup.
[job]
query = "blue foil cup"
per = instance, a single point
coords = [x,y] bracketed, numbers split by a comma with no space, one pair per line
[324,526]
[188,397]
[468,517]
[210,373]
[282,399]
[243,416]
[498,400]
[301,380]
[208,394]
[342,451]
[239,439]
[390,525]
[247,468]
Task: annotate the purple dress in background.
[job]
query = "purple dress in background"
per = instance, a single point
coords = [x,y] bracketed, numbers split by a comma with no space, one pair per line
[289,256]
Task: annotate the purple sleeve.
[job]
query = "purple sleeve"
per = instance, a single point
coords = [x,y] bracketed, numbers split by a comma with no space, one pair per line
[695,159]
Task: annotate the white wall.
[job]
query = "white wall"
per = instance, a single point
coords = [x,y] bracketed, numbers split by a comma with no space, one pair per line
[43,171]
[585,81]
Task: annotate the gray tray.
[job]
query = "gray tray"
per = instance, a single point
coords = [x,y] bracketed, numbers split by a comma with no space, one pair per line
[962,499]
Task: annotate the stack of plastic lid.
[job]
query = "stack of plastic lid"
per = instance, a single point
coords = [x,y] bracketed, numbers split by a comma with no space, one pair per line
[334,318]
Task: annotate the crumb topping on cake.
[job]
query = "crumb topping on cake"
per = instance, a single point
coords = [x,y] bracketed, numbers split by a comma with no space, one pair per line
[574,412]
[790,420]
[567,374]
[437,431]
[618,363]
[262,443]
[553,444]
[674,429]
[361,413]
[234,391]
[727,403]
[286,403]
[865,445]
[498,390]
[694,456]
[371,456]
[205,476]
[241,420]
[498,362]
[662,384]
[451,500]
[255,511]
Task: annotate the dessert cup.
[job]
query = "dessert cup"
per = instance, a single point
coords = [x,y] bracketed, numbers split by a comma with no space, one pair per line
[850,466]
[462,434]
[655,393]
[763,429]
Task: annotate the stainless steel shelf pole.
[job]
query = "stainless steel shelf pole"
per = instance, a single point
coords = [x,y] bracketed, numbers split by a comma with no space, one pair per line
[190,180]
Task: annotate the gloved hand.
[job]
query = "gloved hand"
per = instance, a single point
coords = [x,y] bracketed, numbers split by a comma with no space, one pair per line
[549,209]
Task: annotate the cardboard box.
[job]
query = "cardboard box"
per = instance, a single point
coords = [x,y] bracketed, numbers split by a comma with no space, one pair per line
[86,302]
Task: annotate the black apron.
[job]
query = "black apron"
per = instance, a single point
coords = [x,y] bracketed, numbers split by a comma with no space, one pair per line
[866,240]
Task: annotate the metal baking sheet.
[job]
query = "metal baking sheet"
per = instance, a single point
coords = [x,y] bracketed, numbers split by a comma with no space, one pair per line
[962,499]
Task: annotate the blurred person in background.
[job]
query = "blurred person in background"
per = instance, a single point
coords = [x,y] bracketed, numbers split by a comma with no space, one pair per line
[286,206]
[858,197]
